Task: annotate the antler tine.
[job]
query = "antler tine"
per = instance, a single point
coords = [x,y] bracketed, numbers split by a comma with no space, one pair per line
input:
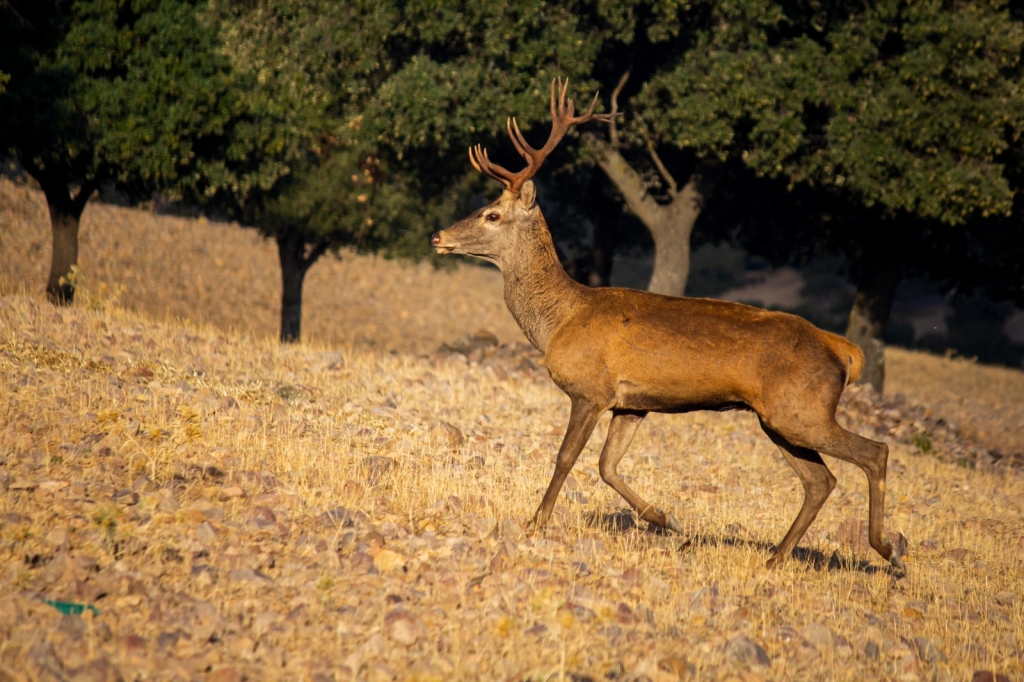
[518,140]
[563,117]
[483,164]
[472,160]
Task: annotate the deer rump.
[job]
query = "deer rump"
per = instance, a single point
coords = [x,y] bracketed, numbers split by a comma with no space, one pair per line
[659,353]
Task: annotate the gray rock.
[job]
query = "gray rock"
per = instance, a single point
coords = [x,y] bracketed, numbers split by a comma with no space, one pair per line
[927,650]
[1006,598]
[745,651]
[205,534]
[246,575]
[818,636]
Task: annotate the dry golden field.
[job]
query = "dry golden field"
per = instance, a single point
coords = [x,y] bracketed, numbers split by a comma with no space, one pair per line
[174,268]
[239,510]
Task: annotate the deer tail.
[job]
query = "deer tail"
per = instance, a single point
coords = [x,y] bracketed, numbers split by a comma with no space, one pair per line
[849,354]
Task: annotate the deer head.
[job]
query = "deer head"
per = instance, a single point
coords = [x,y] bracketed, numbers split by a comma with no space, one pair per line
[513,223]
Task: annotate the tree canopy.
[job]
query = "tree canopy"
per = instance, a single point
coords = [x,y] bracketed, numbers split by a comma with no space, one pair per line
[883,130]
[380,101]
[887,132]
[129,93]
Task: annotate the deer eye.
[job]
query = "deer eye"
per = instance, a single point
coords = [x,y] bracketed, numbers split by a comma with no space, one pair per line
[491,217]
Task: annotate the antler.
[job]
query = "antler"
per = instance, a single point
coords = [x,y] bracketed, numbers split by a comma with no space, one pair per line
[561,120]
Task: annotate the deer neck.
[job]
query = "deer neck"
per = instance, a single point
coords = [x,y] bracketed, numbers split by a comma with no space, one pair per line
[538,293]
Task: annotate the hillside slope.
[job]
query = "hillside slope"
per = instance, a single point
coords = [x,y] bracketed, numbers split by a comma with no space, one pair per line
[218,273]
[235,510]
[178,268]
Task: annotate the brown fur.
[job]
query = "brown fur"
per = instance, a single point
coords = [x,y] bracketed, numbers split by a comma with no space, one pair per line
[634,352]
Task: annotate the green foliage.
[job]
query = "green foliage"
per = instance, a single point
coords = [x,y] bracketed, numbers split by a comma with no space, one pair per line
[380,101]
[908,106]
[131,92]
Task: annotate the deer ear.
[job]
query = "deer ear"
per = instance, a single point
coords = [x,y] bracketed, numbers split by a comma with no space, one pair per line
[528,195]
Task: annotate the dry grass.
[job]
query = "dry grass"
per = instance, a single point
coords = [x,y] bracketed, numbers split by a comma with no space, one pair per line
[177,268]
[94,397]
[987,402]
[214,273]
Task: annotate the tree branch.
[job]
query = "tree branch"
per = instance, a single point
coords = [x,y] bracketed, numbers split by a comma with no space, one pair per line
[319,248]
[669,180]
[614,129]
[84,192]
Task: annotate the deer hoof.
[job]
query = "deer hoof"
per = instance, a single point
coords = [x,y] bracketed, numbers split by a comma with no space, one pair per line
[897,563]
[775,560]
[672,523]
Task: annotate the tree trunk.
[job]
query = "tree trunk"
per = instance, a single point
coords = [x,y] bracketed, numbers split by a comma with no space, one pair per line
[670,223]
[876,287]
[603,211]
[671,259]
[65,216]
[290,250]
[295,263]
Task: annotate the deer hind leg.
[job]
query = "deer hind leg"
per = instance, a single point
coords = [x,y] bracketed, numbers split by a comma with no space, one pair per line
[620,435]
[582,421]
[818,483]
[871,456]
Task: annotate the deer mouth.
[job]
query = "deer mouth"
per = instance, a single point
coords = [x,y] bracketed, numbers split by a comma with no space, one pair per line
[444,249]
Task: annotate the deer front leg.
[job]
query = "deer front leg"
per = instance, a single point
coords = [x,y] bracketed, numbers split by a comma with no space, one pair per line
[620,435]
[582,421]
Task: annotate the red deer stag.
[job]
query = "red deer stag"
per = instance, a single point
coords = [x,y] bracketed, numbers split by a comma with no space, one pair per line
[634,352]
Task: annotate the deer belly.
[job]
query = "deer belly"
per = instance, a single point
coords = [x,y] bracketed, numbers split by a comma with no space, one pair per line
[677,398]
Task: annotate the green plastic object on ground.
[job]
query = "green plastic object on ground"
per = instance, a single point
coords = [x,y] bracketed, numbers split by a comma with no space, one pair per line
[70,608]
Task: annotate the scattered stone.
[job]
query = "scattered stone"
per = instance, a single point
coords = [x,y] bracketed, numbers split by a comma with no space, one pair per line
[387,561]
[58,538]
[261,517]
[577,611]
[134,645]
[745,651]
[246,575]
[225,675]
[958,554]
[143,484]
[96,670]
[22,484]
[127,497]
[205,534]
[376,467]
[928,651]
[448,436]
[14,519]
[339,517]
[537,630]
[737,531]
[166,502]
[678,666]
[230,493]
[1006,598]
[402,627]
[268,500]
[988,676]
[509,529]
[204,575]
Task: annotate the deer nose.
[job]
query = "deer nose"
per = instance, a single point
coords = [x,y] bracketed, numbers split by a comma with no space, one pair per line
[435,238]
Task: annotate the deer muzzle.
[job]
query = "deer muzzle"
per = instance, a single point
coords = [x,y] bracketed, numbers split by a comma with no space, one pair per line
[441,243]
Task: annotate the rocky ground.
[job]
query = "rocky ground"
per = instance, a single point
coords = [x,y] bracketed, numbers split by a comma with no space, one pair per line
[237,510]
